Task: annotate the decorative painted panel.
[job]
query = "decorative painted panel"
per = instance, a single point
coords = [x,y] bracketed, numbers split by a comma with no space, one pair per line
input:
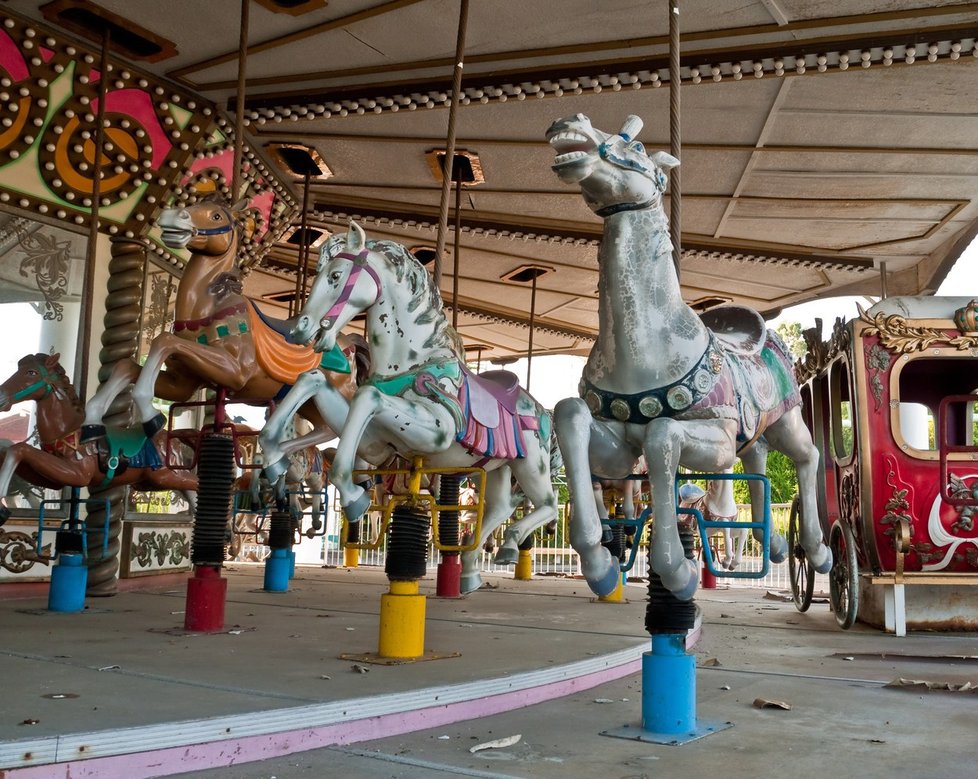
[155,547]
[19,560]
[159,140]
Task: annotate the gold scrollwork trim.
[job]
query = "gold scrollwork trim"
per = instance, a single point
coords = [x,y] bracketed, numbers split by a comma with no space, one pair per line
[898,336]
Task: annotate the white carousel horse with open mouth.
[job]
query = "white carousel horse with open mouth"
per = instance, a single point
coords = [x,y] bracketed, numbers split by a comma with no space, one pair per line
[660,380]
[419,398]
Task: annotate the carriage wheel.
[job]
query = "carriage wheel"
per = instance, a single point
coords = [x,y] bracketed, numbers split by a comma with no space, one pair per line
[800,569]
[844,576]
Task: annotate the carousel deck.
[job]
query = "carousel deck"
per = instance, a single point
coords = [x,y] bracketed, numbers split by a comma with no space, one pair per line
[121,691]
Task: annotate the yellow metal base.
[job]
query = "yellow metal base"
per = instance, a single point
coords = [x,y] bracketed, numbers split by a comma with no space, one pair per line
[402,613]
[524,566]
[351,557]
[615,596]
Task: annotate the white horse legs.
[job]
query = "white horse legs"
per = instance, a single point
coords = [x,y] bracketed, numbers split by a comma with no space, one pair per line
[790,436]
[580,437]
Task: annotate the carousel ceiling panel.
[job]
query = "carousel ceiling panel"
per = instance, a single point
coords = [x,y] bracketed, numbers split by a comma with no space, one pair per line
[858,143]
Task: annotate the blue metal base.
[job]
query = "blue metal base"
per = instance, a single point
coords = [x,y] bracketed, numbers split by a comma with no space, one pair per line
[668,696]
[277,571]
[69,578]
[636,733]
[292,563]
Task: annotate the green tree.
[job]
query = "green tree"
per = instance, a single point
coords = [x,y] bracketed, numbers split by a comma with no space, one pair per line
[791,333]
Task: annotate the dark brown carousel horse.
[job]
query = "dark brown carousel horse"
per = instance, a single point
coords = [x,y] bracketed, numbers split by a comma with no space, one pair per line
[64,460]
[219,338]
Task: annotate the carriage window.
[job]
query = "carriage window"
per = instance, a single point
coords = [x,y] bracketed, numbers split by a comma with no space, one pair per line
[841,431]
[923,383]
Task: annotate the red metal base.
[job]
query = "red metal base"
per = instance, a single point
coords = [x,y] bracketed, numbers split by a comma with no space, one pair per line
[206,592]
[708,579]
[449,577]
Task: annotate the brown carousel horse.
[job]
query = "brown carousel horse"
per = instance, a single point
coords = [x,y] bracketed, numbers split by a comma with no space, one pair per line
[220,339]
[64,460]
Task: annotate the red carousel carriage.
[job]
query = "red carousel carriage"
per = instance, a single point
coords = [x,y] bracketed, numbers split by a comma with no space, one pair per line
[891,399]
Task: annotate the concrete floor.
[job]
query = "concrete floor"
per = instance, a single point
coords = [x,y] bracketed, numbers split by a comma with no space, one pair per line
[135,674]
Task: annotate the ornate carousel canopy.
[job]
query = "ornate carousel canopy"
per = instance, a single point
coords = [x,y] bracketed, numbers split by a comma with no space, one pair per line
[821,142]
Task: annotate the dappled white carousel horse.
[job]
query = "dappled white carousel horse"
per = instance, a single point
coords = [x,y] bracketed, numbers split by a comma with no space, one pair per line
[419,397]
[717,502]
[660,380]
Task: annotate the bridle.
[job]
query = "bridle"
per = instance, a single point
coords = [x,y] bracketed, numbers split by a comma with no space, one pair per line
[359,263]
[45,381]
[222,230]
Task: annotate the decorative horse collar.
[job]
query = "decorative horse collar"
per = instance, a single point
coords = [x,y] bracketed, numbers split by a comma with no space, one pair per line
[665,401]
[617,208]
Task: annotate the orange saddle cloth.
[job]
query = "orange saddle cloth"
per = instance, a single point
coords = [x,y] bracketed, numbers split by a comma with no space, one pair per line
[278,358]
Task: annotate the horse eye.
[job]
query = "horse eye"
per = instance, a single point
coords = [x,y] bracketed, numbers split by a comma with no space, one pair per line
[216,217]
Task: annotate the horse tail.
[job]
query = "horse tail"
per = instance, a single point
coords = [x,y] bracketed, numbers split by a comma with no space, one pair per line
[360,357]
[556,458]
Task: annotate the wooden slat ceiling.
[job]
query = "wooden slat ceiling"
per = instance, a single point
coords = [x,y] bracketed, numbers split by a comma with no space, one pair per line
[821,139]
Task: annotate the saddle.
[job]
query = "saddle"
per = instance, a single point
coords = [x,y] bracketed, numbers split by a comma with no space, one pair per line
[119,449]
[283,360]
[493,427]
[741,330]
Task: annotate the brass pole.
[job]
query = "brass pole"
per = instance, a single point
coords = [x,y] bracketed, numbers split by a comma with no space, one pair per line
[675,138]
[458,232]
[529,346]
[448,166]
[88,283]
[302,268]
[239,107]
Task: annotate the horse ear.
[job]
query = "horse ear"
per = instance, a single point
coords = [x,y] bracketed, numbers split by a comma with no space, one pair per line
[50,360]
[356,238]
[664,160]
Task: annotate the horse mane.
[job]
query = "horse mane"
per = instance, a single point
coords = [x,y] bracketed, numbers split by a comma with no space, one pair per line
[408,269]
[61,377]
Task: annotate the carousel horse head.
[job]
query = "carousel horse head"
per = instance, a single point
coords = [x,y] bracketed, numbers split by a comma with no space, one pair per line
[207,227]
[36,377]
[354,274]
[614,171]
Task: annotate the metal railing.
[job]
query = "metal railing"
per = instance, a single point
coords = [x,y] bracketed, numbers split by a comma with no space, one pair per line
[553,555]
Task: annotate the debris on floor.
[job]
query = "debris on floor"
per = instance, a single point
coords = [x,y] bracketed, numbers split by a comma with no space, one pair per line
[764,703]
[499,743]
[923,684]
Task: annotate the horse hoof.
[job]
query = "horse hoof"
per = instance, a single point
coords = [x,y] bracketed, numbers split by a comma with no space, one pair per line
[152,426]
[357,508]
[607,581]
[91,433]
[687,592]
[506,556]
[470,582]
[779,549]
[276,470]
[822,563]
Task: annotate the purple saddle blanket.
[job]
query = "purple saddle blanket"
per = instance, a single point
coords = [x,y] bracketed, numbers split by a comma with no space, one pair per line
[493,428]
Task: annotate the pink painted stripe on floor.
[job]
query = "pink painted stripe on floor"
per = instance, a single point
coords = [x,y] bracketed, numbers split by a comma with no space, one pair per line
[217,754]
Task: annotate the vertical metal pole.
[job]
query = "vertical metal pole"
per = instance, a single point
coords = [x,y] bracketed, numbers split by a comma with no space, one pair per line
[529,346]
[447,167]
[883,293]
[302,267]
[675,138]
[458,230]
[239,106]
[88,283]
